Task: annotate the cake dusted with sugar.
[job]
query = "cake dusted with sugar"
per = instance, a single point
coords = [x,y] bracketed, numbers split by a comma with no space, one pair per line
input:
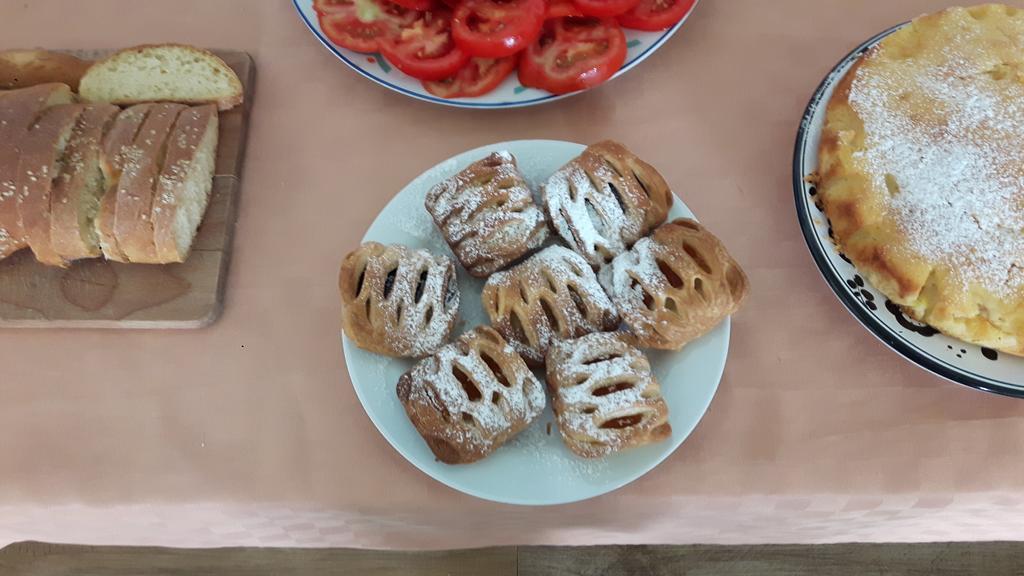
[921,171]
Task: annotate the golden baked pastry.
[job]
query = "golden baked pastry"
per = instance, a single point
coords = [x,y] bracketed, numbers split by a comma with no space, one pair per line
[606,199]
[471,396]
[487,215]
[604,395]
[675,285]
[398,301]
[921,171]
[553,294]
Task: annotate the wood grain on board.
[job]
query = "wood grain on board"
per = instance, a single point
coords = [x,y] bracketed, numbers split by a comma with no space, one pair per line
[936,559]
[101,294]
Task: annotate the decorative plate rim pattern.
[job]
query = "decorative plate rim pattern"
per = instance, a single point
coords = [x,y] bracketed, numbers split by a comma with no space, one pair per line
[833,277]
[690,378]
[467,103]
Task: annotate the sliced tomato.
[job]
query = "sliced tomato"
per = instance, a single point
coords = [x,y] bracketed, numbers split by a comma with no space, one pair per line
[360,24]
[415,4]
[605,8]
[329,6]
[653,15]
[497,28]
[561,8]
[478,77]
[424,49]
[573,54]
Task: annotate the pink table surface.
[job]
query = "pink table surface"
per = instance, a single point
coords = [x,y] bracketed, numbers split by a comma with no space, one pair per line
[249,433]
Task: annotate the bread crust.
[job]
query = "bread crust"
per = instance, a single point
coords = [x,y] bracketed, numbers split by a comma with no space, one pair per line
[192,127]
[604,200]
[227,102]
[38,167]
[604,395]
[136,188]
[676,285]
[72,234]
[24,68]
[121,135]
[398,301]
[553,295]
[471,397]
[19,109]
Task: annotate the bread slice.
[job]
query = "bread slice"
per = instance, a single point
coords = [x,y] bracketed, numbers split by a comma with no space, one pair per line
[183,190]
[143,163]
[75,198]
[112,155]
[23,68]
[165,72]
[19,109]
[42,153]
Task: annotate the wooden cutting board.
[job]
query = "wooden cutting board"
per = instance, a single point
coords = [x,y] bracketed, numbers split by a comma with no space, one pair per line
[101,294]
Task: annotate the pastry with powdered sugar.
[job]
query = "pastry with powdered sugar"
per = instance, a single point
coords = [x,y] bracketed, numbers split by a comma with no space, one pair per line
[675,285]
[471,397]
[487,215]
[398,301]
[604,200]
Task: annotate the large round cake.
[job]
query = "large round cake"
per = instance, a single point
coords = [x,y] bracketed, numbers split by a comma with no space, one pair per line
[922,171]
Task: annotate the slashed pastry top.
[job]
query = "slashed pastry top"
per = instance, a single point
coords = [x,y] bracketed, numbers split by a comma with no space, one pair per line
[922,171]
[605,397]
[471,396]
[553,294]
[487,215]
[675,285]
[606,199]
[398,301]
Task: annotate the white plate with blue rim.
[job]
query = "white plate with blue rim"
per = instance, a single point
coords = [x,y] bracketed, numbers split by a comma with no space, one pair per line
[955,360]
[510,94]
[534,468]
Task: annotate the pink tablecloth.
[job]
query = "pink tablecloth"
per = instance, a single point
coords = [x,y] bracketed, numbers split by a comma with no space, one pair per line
[248,432]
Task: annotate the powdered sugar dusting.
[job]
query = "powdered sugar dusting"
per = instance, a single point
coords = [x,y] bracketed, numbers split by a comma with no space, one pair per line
[945,140]
[487,214]
[599,379]
[482,410]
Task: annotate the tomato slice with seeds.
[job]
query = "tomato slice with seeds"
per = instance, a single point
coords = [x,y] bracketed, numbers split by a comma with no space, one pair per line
[425,49]
[497,28]
[573,54]
[478,77]
[605,8]
[561,8]
[415,4]
[654,15]
[361,24]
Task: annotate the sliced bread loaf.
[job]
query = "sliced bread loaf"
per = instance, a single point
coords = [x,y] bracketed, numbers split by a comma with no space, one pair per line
[42,153]
[19,110]
[75,199]
[112,158]
[165,72]
[22,68]
[143,163]
[183,189]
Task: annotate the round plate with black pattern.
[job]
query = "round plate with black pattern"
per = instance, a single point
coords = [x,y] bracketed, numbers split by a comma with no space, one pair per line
[950,358]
